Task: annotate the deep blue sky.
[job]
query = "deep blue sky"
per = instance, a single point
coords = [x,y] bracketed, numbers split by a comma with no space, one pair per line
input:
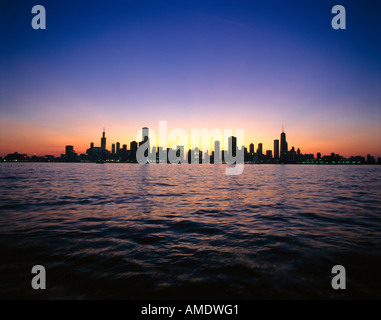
[227,64]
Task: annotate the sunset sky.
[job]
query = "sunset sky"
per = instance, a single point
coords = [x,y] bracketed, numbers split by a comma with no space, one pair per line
[255,65]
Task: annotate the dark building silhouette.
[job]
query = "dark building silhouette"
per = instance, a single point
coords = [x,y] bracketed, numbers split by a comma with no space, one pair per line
[260,150]
[123,154]
[15,157]
[133,149]
[251,148]
[103,140]
[281,155]
[232,146]
[276,149]
[70,154]
[69,150]
[283,143]
[292,154]
[283,147]
[370,159]
[98,153]
[269,155]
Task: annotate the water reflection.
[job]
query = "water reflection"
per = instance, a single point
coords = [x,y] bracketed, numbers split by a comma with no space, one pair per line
[178,231]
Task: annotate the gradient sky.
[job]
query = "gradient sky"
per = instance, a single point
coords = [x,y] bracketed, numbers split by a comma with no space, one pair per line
[255,65]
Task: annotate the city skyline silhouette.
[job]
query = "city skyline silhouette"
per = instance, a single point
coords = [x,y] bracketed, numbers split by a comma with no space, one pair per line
[190,150]
[197,64]
[280,153]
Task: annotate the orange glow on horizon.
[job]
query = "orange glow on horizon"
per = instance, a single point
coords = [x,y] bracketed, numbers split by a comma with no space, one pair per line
[33,139]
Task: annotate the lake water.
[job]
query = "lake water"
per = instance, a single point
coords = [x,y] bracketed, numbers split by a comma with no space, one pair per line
[129,231]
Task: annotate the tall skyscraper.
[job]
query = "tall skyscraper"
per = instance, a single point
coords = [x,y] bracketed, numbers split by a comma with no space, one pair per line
[251,146]
[117,147]
[103,140]
[276,149]
[260,149]
[283,146]
[232,146]
[283,143]
[113,148]
[133,149]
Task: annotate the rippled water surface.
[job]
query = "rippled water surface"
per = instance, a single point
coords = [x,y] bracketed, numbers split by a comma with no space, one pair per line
[189,231]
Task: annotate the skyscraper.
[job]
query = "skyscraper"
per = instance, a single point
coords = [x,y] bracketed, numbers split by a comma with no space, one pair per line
[283,147]
[232,146]
[251,146]
[117,147]
[283,143]
[113,148]
[133,149]
[260,149]
[103,140]
[276,149]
